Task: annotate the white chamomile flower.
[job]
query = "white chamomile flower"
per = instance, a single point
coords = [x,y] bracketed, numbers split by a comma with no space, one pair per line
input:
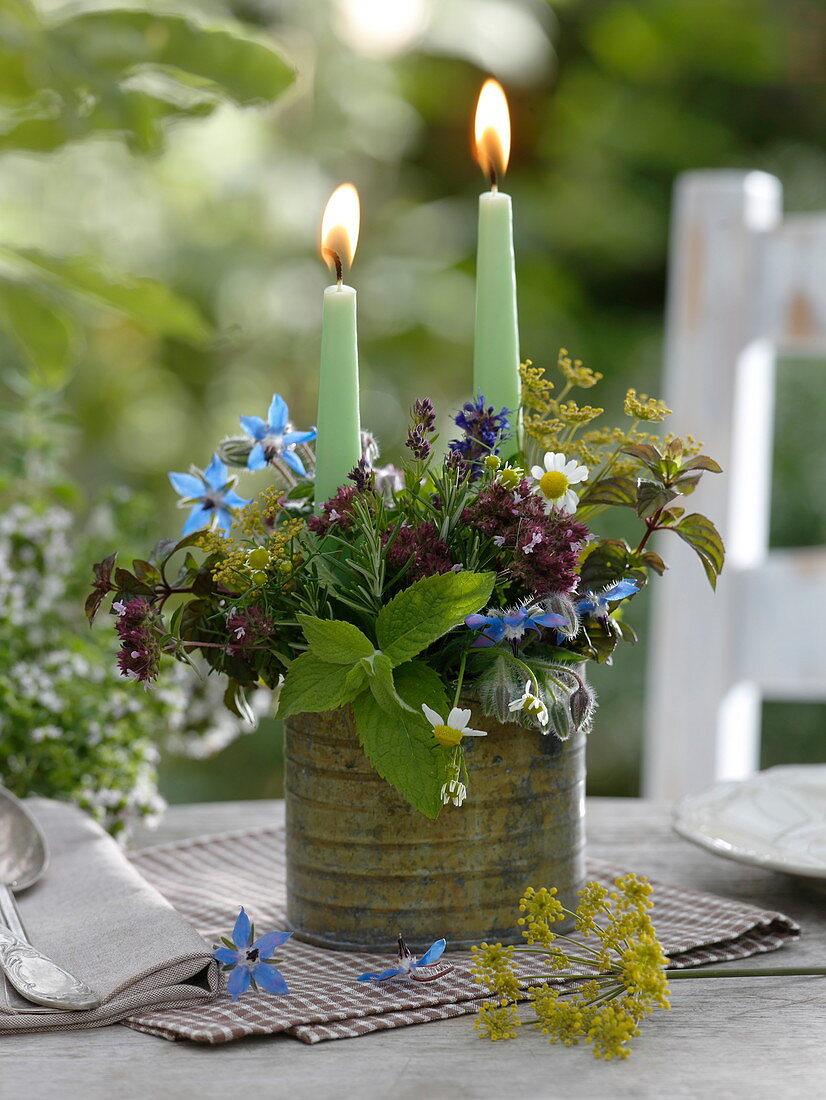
[555,480]
[531,704]
[453,791]
[450,731]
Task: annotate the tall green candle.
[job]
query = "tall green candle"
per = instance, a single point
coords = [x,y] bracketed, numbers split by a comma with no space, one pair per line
[496,342]
[338,447]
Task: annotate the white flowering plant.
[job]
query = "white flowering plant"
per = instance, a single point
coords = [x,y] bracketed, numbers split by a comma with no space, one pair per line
[70,726]
[475,575]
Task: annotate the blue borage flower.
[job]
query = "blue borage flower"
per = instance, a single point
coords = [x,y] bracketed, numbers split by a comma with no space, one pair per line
[407,966]
[273,439]
[511,626]
[250,963]
[211,492]
[596,603]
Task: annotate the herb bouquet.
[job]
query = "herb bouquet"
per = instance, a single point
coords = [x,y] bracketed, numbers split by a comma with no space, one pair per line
[429,629]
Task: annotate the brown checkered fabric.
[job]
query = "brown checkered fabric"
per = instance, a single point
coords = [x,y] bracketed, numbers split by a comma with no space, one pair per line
[207,880]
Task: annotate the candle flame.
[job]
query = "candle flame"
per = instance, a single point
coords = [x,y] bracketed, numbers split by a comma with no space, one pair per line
[340,228]
[492,131]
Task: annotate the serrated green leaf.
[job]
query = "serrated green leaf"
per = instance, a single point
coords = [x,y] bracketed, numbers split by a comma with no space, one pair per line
[379,672]
[647,454]
[339,643]
[652,560]
[701,462]
[652,496]
[355,680]
[704,539]
[615,491]
[145,571]
[312,686]
[427,610]
[606,563]
[400,745]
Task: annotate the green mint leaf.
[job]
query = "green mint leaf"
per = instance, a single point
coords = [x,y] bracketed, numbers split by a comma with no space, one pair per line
[338,642]
[312,686]
[355,680]
[379,672]
[427,610]
[704,539]
[400,744]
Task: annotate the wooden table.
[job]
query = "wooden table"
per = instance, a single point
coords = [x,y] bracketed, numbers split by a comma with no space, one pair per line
[726,1039]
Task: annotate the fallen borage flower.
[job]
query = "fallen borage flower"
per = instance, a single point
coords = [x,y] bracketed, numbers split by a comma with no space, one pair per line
[407,965]
[627,975]
[250,960]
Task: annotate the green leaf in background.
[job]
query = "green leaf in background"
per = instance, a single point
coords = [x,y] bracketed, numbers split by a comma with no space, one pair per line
[338,642]
[704,539]
[124,71]
[400,745]
[312,686]
[231,61]
[427,610]
[147,302]
[43,330]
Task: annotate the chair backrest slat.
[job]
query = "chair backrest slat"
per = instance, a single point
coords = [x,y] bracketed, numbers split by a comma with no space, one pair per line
[743,282]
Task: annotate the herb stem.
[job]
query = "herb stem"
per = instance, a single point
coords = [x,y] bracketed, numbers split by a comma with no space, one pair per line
[743,972]
[460,679]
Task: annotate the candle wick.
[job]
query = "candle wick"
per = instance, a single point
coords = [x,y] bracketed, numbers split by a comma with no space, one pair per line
[494,182]
[337,261]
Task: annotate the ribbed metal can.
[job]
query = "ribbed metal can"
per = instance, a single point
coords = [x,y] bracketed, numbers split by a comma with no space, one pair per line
[363,865]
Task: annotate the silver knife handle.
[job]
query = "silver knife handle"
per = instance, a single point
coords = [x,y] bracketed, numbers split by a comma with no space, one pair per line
[41,980]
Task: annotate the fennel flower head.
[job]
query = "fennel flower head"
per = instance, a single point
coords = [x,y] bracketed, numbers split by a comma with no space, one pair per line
[614,954]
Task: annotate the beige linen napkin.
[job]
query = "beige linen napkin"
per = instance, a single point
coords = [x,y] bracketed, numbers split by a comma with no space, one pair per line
[97,917]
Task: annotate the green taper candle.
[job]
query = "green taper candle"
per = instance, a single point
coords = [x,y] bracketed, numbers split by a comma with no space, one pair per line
[338,447]
[496,342]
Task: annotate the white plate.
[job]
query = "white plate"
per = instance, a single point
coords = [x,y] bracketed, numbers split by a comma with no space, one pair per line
[776,819]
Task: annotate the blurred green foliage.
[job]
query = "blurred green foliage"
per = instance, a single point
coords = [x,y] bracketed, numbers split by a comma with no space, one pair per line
[166,167]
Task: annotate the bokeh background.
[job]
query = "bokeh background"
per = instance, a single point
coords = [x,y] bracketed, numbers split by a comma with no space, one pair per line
[216,197]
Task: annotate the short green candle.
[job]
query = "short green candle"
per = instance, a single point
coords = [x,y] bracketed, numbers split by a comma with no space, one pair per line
[338,447]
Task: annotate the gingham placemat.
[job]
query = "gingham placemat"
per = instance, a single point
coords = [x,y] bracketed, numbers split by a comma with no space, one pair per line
[207,880]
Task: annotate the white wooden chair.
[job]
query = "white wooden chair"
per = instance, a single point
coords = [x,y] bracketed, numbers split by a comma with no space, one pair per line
[744,283]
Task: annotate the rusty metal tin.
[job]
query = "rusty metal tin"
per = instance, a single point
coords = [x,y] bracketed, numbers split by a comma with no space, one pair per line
[363,865]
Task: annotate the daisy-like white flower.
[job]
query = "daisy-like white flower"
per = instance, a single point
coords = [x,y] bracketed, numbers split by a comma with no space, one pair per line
[555,480]
[531,704]
[453,791]
[450,731]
